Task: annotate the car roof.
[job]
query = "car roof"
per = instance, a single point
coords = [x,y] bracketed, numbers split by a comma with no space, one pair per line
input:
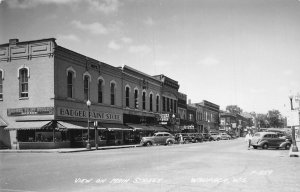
[264,133]
[162,133]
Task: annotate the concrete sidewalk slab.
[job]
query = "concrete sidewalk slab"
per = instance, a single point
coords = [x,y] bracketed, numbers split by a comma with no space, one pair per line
[65,150]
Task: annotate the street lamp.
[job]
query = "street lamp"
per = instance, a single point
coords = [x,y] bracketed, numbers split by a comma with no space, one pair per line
[88,145]
[173,122]
[96,134]
[294,144]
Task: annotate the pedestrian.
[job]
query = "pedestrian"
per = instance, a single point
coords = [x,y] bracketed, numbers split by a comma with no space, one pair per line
[248,139]
[180,139]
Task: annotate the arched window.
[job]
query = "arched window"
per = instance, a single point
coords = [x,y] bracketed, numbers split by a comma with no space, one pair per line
[1,84]
[136,98]
[70,83]
[127,91]
[23,82]
[112,93]
[144,100]
[157,103]
[151,102]
[86,87]
[100,91]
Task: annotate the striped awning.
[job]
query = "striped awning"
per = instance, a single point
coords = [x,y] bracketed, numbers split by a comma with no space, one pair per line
[28,125]
[2,122]
[84,125]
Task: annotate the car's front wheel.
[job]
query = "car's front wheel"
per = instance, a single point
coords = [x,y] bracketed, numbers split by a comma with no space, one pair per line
[287,146]
[148,144]
[169,143]
[265,146]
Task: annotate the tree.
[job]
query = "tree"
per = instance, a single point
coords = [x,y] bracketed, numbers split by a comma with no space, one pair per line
[262,120]
[275,119]
[234,109]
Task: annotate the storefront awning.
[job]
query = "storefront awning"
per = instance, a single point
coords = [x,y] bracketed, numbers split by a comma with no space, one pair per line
[29,125]
[140,127]
[2,122]
[84,125]
[154,128]
[114,127]
[75,124]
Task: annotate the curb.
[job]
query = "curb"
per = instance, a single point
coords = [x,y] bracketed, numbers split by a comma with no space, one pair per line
[67,151]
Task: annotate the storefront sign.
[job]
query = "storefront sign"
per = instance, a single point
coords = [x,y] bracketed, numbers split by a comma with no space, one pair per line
[79,113]
[164,118]
[30,111]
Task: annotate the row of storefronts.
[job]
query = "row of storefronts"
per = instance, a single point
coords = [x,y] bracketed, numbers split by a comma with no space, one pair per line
[51,97]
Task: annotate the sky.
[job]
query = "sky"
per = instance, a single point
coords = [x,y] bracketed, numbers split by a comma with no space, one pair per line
[229,52]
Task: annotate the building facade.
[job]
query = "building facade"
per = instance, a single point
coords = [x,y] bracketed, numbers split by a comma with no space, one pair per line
[48,107]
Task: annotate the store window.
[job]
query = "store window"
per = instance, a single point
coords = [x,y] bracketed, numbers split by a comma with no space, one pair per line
[23,82]
[100,91]
[127,91]
[112,93]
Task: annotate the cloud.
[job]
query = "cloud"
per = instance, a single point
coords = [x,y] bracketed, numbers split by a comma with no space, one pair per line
[149,21]
[26,4]
[140,49]
[104,6]
[113,45]
[288,72]
[126,40]
[93,28]
[161,63]
[209,61]
[69,37]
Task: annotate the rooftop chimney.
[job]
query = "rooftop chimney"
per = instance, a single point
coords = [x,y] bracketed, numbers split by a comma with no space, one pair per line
[13,41]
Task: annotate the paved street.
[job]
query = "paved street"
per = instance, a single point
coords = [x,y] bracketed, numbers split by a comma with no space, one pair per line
[209,166]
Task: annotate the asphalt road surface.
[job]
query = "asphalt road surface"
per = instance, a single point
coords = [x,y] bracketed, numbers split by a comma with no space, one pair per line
[208,166]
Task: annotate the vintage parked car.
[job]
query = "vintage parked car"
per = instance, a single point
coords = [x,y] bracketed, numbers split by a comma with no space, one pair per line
[215,136]
[281,132]
[207,137]
[197,137]
[270,139]
[159,138]
[225,136]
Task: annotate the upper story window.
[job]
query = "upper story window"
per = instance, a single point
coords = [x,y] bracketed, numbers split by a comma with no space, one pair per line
[86,87]
[1,84]
[175,106]
[23,82]
[171,105]
[70,84]
[168,104]
[157,103]
[127,91]
[112,93]
[151,102]
[164,103]
[136,99]
[100,91]
[144,100]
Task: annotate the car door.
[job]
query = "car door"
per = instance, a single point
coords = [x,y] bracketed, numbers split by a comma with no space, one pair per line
[158,138]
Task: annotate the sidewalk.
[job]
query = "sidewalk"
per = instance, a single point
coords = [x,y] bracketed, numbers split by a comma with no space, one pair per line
[65,150]
[295,154]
